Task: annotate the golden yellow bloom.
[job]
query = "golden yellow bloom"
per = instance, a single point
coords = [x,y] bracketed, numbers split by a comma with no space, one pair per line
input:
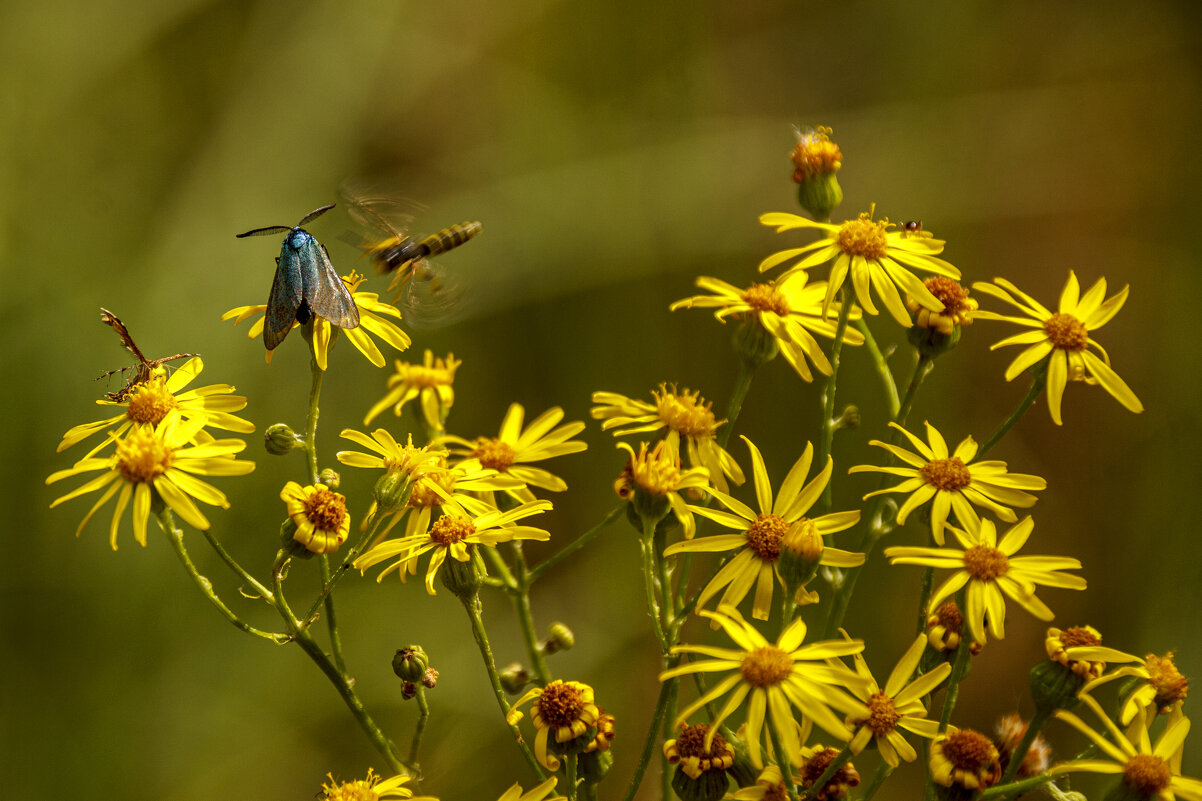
[432,382]
[992,573]
[1062,338]
[953,480]
[1151,771]
[322,521]
[373,788]
[769,786]
[697,753]
[657,473]
[897,706]
[453,535]
[511,451]
[965,757]
[774,678]
[564,708]
[760,538]
[538,793]
[684,414]
[158,460]
[1079,648]
[945,628]
[370,321]
[150,401]
[787,308]
[958,307]
[1162,687]
[876,257]
[436,486]
[815,760]
[815,154]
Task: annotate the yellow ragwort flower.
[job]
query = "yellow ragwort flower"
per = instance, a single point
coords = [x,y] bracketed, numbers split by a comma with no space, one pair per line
[876,257]
[695,753]
[945,628]
[769,786]
[454,534]
[965,757]
[1063,338]
[897,706]
[815,154]
[788,309]
[370,309]
[774,678]
[1150,771]
[511,451]
[158,460]
[761,535]
[538,793]
[992,573]
[373,788]
[815,759]
[320,515]
[1080,649]
[150,401]
[953,480]
[684,414]
[564,708]
[432,382]
[958,307]
[656,473]
[1161,688]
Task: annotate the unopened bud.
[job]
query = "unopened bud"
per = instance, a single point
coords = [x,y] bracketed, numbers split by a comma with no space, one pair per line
[408,690]
[410,663]
[820,195]
[330,478]
[279,438]
[513,678]
[559,638]
[1054,686]
[753,344]
[392,491]
[800,554]
[850,418]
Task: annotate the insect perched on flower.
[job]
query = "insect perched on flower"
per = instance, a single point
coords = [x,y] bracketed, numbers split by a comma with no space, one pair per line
[305,283]
[143,369]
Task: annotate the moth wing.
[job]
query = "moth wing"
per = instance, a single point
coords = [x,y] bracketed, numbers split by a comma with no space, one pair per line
[327,294]
[287,294]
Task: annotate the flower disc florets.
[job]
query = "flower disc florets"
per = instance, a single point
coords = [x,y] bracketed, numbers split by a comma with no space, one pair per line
[1147,775]
[864,237]
[1171,686]
[767,297]
[150,402]
[1059,641]
[766,666]
[690,751]
[815,154]
[966,758]
[882,714]
[450,529]
[141,456]
[815,764]
[494,454]
[685,412]
[1066,332]
[985,563]
[764,536]
[957,306]
[946,474]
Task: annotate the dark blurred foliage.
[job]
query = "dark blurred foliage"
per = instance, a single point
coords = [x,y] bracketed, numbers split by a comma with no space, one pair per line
[614,152]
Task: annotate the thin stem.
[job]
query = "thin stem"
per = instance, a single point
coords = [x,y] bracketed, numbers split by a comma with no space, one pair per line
[883,772]
[521,604]
[1038,383]
[924,597]
[735,406]
[331,621]
[922,368]
[225,556]
[881,364]
[575,545]
[342,569]
[827,436]
[175,536]
[569,769]
[311,419]
[783,761]
[665,772]
[959,671]
[1017,787]
[647,543]
[1020,751]
[423,716]
[475,614]
[657,719]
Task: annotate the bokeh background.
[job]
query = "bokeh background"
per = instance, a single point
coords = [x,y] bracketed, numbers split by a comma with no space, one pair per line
[614,152]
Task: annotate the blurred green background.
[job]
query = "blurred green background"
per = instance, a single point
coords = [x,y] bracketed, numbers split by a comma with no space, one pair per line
[614,152]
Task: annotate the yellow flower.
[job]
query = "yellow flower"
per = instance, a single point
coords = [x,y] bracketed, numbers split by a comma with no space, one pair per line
[512,449]
[1149,771]
[815,759]
[760,538]
[992,572]
[695,752]
[432,382]
[1079,648]
[564,708]
[1162,688]
[953,480]
[454,534]
[158,460]
[965,757]
[370,789]
[1062,338]
[958,307]
[538,793]
[657,477]
[871,253]
[769,786]
[787,308]
[370,308]
[322,522]
[776,677]
[685,414]
[149,402]
[897,706]
[815,154]
[945,628]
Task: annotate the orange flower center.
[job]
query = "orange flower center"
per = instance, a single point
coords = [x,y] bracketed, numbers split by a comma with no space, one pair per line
[685,413]
[561,704]
[766,297]
[325,509]
[816,765]
[424,494]
[450,529]
[690,742]
[766,666]
[863,237]
[764,536]
[973,753]
[954,296]
[1147,775]
[985,564]
[1163,675]
[1066,332]
[949,616]
[946,474]
[1075,636]
[776,792]
[150,402]
[815,154]
[494,454]
[142,457]
[882,714]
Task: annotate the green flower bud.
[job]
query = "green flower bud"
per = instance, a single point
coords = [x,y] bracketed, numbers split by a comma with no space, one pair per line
[593,765]
[330,478]
[463,579]
[392,491]
[514,678]
[559,638]
[1054,686]
[709,786]
[753,344]
[410,663]
[820,195]
[279,438]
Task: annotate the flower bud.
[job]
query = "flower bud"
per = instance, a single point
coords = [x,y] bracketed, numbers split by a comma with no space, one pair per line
[410,663]
[850,418]
[800,554]
[514,678]
[463,579]
[392,491]
[820,195]
[279,438]
[753,344]
[559,638]
[408,690]
[816,159]
[1054,686]
[330,478]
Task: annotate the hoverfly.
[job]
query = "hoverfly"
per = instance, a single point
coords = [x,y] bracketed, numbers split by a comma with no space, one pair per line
[428,296]
[143,369]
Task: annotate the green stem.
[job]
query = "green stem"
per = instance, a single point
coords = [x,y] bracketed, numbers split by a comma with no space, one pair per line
[569,769]
[311,419]
[342,683]
[735,406]
[783,761]
[922,368]
[575,545]
[521,605]
[331,621]
[1017,787]
[827,436]
[475,614]
[1020,751]
[175,536]
[657,719]
[924,597]
[959,671]
[423,716]
[883,772]
[1038,382]
[823,780]
[328,585]
[882,367]
[647,543]
[225,556]
[665,769]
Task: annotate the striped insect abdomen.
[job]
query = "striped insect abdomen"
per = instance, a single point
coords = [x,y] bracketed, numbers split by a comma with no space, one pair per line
[450,238]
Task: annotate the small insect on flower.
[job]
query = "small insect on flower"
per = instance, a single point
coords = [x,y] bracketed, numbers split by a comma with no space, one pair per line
[428,295]
[305,283]
[914,228]
[143,369]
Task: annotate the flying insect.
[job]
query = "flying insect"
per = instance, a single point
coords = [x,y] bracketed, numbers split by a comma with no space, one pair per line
[305,283]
